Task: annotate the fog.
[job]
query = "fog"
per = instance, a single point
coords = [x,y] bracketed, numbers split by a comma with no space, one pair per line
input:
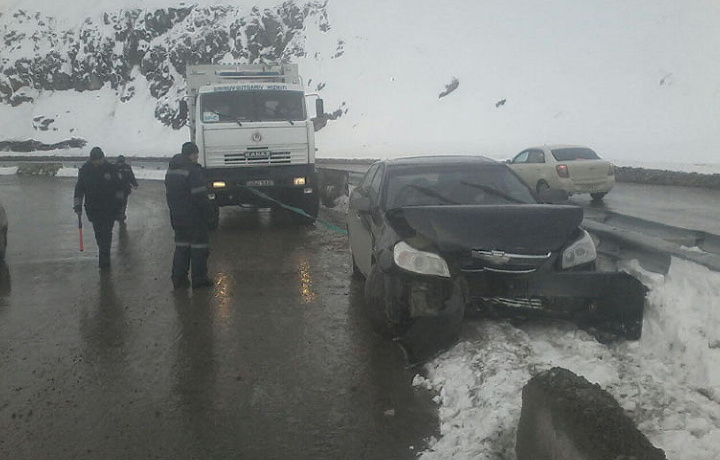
[632,79]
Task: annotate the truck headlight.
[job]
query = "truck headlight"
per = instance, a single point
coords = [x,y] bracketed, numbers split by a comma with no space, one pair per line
[424,263]
[218,184]
[299,181]
[580,252]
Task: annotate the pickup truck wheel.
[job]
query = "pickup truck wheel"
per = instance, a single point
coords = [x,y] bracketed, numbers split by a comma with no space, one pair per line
[379,299]
[598,196]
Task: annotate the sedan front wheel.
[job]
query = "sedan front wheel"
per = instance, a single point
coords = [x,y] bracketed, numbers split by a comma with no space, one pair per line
[380,301]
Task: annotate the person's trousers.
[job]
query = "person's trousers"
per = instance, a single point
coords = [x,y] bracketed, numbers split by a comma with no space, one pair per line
[103,226]
[192,249]
[122,214]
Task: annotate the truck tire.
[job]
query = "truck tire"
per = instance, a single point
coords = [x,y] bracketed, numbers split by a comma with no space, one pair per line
[311,208]
[598,196]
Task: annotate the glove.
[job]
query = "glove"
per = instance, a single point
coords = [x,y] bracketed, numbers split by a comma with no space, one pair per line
[78,209]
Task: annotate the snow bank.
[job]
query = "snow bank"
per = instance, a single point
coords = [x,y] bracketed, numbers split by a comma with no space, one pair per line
[668,382]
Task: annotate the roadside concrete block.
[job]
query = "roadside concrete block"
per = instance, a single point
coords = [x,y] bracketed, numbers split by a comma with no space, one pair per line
[565,417]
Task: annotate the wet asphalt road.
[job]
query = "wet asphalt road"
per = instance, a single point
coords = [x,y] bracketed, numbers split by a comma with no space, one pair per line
[277,362]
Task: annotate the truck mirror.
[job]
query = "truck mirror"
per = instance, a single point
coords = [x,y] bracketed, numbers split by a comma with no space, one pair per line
[319,108]
[183,109]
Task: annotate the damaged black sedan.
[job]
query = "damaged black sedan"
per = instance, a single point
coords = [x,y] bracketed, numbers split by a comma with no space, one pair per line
[434,236]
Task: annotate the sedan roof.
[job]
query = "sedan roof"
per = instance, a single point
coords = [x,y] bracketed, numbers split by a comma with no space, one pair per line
[441,160]
[560,146]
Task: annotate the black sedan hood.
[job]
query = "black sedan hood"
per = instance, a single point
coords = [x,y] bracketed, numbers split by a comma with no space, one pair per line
[521,229]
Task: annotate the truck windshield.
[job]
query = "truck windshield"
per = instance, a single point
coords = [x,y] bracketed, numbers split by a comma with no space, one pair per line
[249,106]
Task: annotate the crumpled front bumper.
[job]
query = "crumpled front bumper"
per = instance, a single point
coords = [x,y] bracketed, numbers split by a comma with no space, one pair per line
[612,302]
[605,298]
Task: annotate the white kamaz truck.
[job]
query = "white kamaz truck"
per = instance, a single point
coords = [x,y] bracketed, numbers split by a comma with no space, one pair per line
[252,128]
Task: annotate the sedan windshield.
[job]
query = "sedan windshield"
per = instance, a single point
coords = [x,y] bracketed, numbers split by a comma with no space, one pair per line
[454,185]
[248,106]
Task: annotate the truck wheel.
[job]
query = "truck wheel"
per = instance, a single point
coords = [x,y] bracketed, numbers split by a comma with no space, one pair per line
[379,299]
[598,196]
[215,217]
[311,209]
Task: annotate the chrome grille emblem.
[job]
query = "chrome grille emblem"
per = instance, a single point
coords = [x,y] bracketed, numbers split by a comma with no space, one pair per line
[494,257]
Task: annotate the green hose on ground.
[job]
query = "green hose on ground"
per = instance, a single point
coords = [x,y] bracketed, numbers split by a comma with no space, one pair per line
[299,211]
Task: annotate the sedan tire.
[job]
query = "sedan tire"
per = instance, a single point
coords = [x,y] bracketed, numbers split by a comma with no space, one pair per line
[541,186]
[598,196]
[379,300]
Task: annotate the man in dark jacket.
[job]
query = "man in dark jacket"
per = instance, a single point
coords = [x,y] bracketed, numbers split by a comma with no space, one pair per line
[187,198]
[99,185]
[128,182]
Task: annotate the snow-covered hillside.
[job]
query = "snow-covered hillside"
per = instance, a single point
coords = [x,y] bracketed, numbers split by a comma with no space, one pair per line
[633,82]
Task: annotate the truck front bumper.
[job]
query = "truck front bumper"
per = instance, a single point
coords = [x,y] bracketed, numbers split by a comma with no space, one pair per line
[232,186]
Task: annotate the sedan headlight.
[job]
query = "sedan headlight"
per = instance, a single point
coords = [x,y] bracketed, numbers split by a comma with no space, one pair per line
[580,252]
[424,263]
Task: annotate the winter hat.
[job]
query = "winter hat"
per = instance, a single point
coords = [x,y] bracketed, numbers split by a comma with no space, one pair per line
[188,148]
[96,153]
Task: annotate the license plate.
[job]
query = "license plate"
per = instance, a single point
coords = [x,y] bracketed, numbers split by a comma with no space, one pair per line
[260,183]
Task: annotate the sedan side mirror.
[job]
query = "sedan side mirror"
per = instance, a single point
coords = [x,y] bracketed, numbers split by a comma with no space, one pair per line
[554,196]
[360,202]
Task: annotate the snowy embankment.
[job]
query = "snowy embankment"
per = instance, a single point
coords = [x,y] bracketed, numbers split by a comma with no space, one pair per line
[146,174]
[668,382]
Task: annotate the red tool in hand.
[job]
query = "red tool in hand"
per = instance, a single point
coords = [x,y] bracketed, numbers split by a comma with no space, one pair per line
[80,230]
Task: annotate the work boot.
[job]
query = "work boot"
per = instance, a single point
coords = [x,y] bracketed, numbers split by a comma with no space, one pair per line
[180,283]
[203,282]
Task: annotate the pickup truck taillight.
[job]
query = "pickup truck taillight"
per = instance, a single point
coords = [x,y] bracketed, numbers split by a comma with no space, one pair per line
[611,170]
[562,170]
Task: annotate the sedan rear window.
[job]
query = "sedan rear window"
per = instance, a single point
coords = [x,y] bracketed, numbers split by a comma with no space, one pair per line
[454,185]
[570,154]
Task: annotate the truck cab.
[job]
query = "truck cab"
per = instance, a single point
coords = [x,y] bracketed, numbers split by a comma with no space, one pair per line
[256,140]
